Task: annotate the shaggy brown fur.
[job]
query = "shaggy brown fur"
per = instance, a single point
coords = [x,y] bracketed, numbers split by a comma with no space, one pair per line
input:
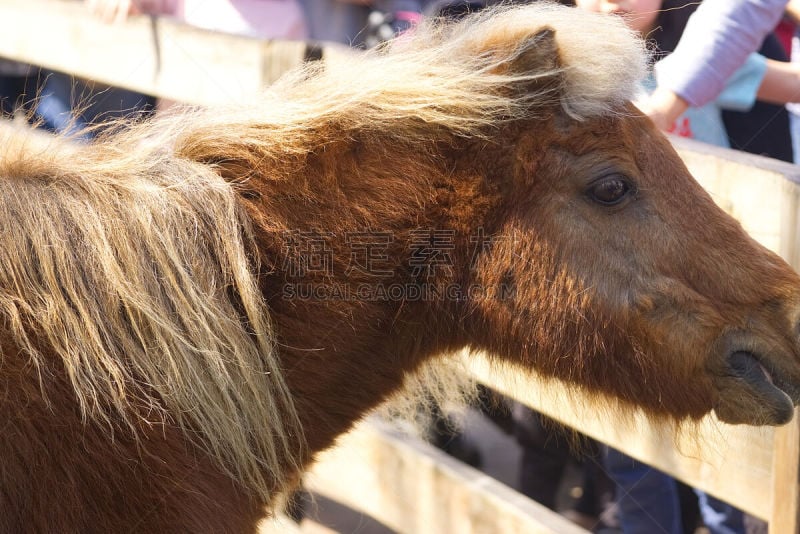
[162,370]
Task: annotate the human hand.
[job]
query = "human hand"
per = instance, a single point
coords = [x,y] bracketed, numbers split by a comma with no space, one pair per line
[114,11]
[663,107]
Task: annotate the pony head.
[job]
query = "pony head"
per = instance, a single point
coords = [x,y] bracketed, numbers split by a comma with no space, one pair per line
[609,267]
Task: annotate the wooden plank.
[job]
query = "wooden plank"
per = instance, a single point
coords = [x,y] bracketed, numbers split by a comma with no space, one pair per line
[411,486]
[761,193]
[789,244]
[725,160]
[152,55]
[785,489]
[731,462]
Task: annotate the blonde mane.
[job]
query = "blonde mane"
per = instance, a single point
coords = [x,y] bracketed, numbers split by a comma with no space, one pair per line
[445,79]
[131,258]
[134,271]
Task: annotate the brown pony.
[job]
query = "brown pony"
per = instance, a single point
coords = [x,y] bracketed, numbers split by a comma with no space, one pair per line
[192,308]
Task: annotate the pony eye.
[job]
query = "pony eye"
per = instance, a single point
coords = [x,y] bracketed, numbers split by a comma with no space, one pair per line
[610,190]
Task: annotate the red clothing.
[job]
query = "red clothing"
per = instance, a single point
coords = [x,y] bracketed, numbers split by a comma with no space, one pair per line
[784,31]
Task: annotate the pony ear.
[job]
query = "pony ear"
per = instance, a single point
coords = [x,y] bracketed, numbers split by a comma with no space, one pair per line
[537,64]
[537,53]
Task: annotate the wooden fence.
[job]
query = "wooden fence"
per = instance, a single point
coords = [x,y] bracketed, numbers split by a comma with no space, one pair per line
[152,55]
[405,484]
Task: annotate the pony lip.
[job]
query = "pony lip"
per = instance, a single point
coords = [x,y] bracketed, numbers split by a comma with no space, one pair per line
[746,366]
[763,385]
[743,361]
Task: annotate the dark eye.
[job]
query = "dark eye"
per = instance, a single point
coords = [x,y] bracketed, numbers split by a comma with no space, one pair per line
[610,190]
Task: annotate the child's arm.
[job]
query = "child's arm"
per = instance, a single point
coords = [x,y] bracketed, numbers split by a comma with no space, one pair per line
[781,83]
[716,41]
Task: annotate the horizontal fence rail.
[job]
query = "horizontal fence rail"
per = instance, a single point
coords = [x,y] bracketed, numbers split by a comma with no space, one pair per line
[153,55]
[411,486]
